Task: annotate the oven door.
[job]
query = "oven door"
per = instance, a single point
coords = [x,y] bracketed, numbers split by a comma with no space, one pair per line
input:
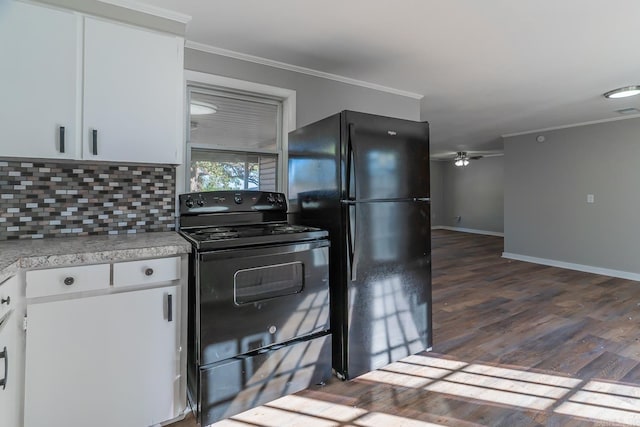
[252,298]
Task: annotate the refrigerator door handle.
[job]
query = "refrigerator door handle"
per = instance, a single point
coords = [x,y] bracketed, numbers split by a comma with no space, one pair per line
[351,239]
[351,158]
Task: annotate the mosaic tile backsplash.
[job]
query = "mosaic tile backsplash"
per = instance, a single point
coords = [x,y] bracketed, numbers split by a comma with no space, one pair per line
[51,199]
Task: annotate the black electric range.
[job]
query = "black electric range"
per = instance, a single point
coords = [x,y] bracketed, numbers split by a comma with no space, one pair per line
[258,299]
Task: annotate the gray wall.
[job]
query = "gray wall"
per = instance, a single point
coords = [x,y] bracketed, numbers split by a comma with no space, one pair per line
[475,193]
[546,187]
[316,97]
[437,192]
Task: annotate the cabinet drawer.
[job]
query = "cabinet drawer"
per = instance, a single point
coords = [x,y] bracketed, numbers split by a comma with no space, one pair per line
[146,271]
[58,281]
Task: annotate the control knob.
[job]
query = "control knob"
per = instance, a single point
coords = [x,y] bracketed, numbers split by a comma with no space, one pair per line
[189,203]
[237,198]
[280,199]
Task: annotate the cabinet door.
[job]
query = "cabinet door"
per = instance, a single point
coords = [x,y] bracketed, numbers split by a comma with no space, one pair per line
[38,81]
[11,354]
[107,361]
[132,94]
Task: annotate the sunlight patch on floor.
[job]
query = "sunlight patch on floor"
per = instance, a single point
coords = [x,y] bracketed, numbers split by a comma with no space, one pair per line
[296,411]
[317,408]
[272,417]
[515,374]
[605,401]
[492,395]
[497,385]
[601,401]
[394,378]
[377,419]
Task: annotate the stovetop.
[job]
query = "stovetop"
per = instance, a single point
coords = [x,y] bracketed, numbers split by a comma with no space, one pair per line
[209,238]
[227,219]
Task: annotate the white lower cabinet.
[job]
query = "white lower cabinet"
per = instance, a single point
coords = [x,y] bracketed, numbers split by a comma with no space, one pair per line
[11,353]
[107,360]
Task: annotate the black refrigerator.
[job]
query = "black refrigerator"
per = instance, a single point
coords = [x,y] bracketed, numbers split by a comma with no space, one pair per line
[365,179]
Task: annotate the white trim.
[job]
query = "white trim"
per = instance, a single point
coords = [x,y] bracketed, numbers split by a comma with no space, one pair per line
[574,125]
[571,266]
[227,82]
[227,148]
[288,97]
[150,10]
[303,70]
[468,230]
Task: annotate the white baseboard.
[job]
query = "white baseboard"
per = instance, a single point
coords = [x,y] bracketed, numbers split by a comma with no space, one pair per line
[468,230]
[571,266]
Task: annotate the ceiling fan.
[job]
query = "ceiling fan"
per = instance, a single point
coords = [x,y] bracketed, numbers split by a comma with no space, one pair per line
[462,158]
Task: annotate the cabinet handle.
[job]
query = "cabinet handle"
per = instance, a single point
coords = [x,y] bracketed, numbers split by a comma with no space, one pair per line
[69,281]
[94,139]
[4,355]
[61,130]
[6,300]
[148,271]
[170,308]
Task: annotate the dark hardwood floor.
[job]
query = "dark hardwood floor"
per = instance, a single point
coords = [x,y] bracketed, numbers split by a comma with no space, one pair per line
[515,344]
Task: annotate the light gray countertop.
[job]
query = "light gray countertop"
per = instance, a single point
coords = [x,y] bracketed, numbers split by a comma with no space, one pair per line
[59,252]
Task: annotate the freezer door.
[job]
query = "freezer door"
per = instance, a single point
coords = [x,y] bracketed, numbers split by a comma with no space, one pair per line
[385,158]
[314,168]
[388,284]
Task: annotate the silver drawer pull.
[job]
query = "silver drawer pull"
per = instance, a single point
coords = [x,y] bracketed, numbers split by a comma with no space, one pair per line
[69,281]
[148,271]
[6,300]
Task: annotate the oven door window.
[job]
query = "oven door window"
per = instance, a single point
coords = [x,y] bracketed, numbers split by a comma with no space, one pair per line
[261,283]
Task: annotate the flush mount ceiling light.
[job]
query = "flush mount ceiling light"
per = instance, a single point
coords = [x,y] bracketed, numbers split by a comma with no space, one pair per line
[197,108]
[462,159]
[623,92]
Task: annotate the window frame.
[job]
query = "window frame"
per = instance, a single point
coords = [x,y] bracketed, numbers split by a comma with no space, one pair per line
[287,120]
[228,151]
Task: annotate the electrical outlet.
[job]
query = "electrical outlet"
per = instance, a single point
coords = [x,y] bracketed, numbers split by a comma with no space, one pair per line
[590,198]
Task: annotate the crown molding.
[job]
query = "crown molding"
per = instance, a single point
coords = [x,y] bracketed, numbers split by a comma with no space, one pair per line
[574,125]
[149,9]
[289,67]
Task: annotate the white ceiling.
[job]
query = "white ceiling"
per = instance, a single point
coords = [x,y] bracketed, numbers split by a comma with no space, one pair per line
[486,68]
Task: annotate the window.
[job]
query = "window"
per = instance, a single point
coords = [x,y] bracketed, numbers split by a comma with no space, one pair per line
[234,140]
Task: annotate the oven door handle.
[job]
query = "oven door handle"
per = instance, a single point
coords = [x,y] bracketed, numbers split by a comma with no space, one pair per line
[280,249]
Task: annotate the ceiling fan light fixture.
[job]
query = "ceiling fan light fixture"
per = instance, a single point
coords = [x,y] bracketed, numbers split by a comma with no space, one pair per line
[623,92]
[462,159]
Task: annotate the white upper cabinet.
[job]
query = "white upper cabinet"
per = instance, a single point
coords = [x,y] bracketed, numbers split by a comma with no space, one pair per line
[77,87]
[132,94]
[38,81]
